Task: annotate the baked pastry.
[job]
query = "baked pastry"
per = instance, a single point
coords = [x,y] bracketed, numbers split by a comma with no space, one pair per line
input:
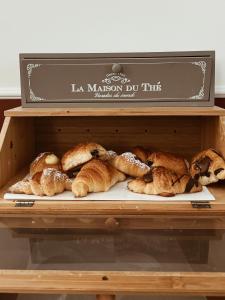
[96,176]
[129,164]
[45,160]
[208,166]
[168,160]
[81,154]
[111,154]
[48,182]
[164,182]
[141,153]
[74,171]
[21,187]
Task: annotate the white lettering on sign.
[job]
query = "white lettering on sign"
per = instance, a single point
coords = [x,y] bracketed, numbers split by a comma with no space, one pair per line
[104,88]
[147,87]
[76,89]
[117,86]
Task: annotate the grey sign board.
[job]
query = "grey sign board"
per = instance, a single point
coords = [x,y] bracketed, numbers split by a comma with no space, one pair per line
[121,79]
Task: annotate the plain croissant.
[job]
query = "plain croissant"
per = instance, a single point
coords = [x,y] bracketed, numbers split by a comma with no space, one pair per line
[96,176]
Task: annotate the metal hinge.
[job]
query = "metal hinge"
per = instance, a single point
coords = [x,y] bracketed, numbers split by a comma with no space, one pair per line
[27,203]
[200,204]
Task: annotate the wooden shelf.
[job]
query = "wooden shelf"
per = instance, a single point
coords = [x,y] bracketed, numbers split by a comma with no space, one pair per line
[112,282]
[115,208]
[135,111]
[108,208]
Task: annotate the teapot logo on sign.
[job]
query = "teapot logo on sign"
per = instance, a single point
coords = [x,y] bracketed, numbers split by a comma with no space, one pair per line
[116,85]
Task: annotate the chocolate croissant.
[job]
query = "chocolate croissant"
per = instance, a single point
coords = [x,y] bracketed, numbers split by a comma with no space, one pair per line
[164,182]
[141,153]
[208,166]
[96,176]
[169,161]
[48,182]
[81,154]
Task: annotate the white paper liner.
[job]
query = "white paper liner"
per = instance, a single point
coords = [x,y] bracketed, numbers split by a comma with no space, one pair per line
[116,193]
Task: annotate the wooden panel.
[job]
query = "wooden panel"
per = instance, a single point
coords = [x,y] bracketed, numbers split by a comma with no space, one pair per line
[112,208]
[177,134]
[133,111]
[213,134]
[137,222]
[16,146]
[109,283]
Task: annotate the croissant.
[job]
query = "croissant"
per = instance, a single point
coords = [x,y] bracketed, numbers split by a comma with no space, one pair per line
[164,182]
[81,154]
[130,165]
[168,160]
[141,153]
[44,160]
[208,166]
[48,182]
[96,176]
[110,155]
[21,187]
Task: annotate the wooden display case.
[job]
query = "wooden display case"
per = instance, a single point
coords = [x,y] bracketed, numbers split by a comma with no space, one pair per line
[28,131]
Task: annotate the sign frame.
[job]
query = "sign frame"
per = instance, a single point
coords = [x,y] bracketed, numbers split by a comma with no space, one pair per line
[145,102]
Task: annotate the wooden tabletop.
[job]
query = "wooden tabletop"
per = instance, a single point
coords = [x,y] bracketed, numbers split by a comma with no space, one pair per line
[134,111]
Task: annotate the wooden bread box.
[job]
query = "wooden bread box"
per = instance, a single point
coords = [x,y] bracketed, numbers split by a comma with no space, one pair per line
[29,131]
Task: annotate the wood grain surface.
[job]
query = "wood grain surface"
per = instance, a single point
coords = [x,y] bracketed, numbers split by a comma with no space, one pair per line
[16,146]
[110,283]
[181,135]
[136,111]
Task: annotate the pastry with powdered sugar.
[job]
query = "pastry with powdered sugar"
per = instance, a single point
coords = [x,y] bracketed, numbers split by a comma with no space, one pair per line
[129,164]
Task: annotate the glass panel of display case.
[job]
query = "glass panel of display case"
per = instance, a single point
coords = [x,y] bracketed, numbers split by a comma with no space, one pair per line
[121,250]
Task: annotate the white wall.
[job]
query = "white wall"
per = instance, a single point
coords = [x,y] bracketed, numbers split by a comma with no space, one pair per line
[108,26]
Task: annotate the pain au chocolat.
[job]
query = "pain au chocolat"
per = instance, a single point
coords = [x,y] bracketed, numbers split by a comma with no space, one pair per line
[81,154]
[168,160]
[141,153]
[164,182]
[208,166]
